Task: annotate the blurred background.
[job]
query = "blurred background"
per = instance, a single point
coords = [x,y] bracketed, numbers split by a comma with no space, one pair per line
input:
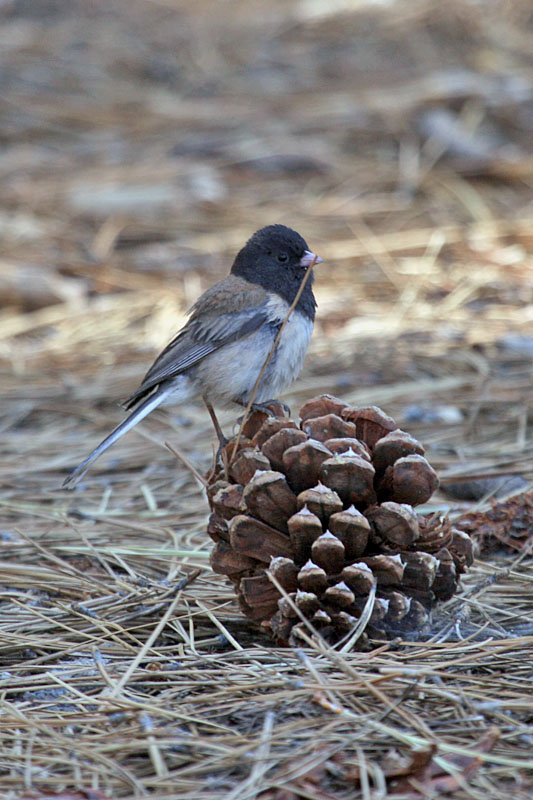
[142,142]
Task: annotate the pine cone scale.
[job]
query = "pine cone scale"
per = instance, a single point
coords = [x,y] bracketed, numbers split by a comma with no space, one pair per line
[258,540]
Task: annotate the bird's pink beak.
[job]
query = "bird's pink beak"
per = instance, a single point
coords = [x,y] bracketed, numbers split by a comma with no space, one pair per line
[308,258]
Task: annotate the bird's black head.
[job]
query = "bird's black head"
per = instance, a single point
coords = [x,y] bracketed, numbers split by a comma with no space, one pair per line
[276,258]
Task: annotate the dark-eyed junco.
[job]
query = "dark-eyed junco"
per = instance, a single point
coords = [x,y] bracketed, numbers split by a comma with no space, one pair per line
[221,350]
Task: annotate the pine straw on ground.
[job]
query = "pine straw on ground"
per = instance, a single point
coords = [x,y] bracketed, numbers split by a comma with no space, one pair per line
[144,145]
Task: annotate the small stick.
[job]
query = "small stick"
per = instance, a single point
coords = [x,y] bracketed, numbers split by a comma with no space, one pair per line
[184,460]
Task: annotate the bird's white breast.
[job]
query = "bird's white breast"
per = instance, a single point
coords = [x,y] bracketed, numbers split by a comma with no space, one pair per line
[288,359]
[229,375]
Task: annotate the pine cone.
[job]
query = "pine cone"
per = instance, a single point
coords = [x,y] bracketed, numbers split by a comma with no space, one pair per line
[326,509]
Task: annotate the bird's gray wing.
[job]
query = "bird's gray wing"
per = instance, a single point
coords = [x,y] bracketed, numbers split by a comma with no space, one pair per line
[202,335]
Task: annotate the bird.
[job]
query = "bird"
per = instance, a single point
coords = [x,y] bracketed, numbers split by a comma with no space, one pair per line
[222,349]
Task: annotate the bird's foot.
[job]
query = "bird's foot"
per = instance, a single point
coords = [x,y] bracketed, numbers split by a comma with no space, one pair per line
[286,408]
[269,408]
[222,444]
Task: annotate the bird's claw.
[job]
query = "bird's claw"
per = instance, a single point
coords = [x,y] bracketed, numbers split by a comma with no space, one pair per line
[265,407]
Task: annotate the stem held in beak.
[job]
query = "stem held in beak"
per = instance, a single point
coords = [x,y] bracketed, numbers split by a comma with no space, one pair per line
[308,258]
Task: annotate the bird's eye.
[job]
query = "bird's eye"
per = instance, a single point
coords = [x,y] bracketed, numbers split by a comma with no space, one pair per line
[283,257]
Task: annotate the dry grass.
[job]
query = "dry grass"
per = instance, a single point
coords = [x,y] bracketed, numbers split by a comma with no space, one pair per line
[143,144]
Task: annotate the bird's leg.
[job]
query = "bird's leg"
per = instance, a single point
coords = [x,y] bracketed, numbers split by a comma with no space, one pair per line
[221,438]
[222,441]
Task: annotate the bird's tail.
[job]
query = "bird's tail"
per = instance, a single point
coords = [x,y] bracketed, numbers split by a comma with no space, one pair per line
[136,416]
